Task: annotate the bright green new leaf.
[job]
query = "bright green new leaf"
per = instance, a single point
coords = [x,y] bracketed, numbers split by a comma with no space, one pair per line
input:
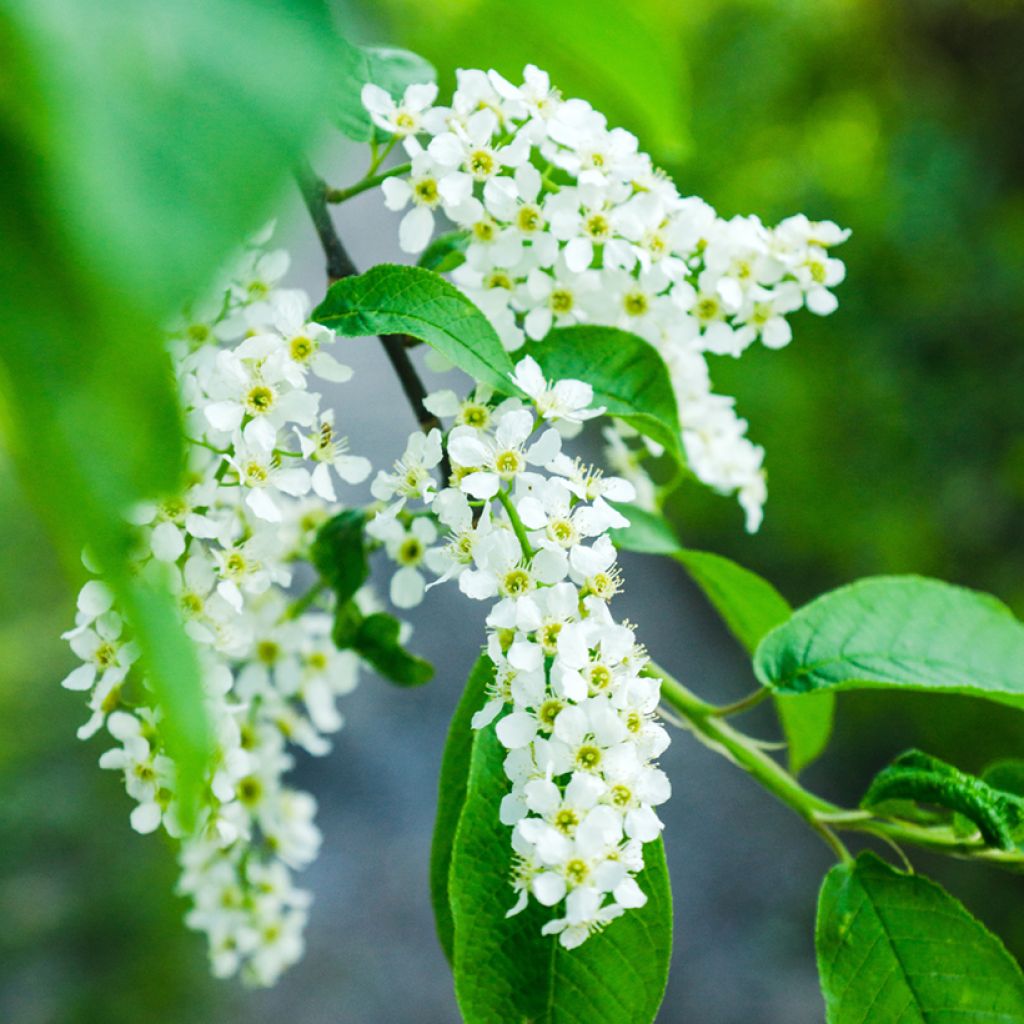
[629,377]
[750,606]
[904,632]
[505,970]
[391,299]
[924,779]
[451,794]
[897,949]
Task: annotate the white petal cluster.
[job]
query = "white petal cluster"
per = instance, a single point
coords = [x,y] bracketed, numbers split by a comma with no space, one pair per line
[527,529]
[263,466]
[569,222]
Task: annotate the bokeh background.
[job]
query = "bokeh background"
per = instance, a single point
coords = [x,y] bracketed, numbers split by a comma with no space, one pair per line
[895,438]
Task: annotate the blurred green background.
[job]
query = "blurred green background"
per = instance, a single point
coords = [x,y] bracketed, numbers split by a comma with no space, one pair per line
[894,429]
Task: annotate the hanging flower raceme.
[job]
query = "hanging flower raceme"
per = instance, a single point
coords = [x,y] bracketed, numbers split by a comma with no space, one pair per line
[263,458]
[527,530]
[568,222]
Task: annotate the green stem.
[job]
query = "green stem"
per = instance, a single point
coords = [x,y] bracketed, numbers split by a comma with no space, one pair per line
[517,524]
[705,721]
[745,704]
[339,195]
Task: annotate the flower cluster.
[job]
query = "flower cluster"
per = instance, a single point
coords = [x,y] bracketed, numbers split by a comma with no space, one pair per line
[568,222]
[527,529]
[261,479]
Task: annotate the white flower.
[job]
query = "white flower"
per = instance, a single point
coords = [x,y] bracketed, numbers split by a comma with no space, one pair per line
[410,547]
[567,400]
[503,457]
[328,451]
[422,191]
[411,477]
[266,478]
[404,117]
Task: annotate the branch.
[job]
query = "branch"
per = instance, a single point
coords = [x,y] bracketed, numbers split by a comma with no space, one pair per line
[339,265]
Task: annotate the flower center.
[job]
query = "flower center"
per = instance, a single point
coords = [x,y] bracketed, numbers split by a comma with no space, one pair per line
[485,230]
[707,308]
[562,532]
[621,795]
[477,416]
[516,582]
[588,757]
[561,300]
[549,636]
[529,219]
[636,303]
[410,551]
[600,677]
[498,279]
[267,651]
[424,192]
[259,400]
[576,871]
[597,226]
[548,712]
[566,821]
[302,348]
[105,656]
[508,463]
[481,164]
[250,789]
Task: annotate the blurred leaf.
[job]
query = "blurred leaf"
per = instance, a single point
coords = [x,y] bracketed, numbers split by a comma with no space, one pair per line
[896,947]
[392,69]
[142,141]
[391,299]
[451,794]
[339,554]
[628,60]
[629,377]
[905,632]
[1006,775]
[925,779]
[751,607]
[504,968]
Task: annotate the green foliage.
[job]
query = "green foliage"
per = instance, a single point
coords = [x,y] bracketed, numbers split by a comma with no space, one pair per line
[628,376]
[108,229]
[339,554]
[751,607]
[393,299]
[451,795]
[925,779]
[896,948]
[389,68]
[377,642]
[505,969]
[445,253]
[898,631]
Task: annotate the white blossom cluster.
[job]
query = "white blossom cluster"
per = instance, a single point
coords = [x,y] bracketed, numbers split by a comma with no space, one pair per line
[526,527]
[262,462]
[568,222]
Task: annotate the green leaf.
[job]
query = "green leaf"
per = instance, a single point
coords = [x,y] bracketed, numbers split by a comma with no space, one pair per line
[445,253]
[897,949]
[391,299]
[904,632]
[505,969]
[377,642]
[629,377]
[451,794]
[392,69]
[1006,775]
[921,778]
[142,142]
[339,554]
[750,606]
